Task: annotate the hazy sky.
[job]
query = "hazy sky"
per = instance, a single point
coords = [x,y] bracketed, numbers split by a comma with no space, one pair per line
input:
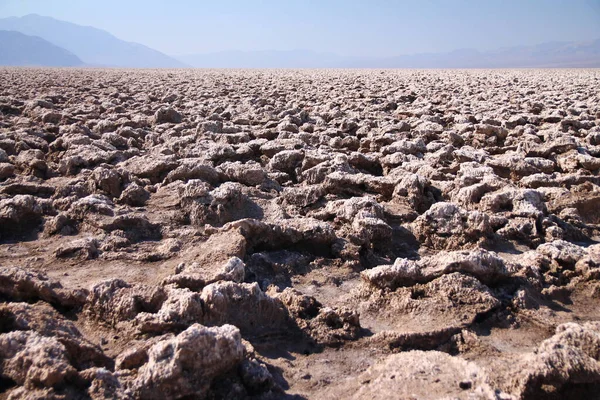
[346,27]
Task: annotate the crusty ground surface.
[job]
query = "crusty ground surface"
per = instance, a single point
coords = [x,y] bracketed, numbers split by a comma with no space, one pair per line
[367,234]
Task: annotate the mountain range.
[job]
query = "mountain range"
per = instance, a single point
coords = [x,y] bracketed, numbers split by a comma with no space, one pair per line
[19,49]
[547,55]
[48,41]
[95,47]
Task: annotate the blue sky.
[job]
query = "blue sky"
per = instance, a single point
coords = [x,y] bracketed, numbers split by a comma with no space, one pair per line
[346,27]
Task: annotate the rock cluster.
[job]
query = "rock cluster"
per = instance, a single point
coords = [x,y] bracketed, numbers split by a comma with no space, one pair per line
[328,234]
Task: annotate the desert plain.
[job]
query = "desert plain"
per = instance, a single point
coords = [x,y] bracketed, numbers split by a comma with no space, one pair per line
[299,234]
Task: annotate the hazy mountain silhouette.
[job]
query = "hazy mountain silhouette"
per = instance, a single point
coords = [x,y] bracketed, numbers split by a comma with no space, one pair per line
[19,49]
[94,46]
[267,59]
[546,55]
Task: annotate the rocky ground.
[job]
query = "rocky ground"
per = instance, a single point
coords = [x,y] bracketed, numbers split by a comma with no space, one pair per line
[299,234]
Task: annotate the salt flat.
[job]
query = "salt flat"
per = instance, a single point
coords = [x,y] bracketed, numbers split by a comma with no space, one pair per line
[299,234]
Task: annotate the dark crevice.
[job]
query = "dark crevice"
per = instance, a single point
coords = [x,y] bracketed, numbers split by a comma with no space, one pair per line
[6,384]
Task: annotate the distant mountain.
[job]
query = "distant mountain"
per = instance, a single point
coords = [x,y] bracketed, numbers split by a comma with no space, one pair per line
[546,55]
[94,46]
[19,49]
[266,59]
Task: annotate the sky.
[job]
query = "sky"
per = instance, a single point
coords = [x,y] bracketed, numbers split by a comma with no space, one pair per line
[344,27]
